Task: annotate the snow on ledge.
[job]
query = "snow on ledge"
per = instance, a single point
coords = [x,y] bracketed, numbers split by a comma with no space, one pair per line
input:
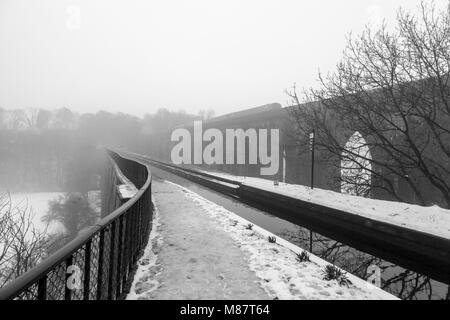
[432,220]
[126,191]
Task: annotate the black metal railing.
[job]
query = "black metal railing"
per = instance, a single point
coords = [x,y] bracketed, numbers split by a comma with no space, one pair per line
[98,264]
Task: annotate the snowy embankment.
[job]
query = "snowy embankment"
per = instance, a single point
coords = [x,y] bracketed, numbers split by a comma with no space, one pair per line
[275,264]
[433,220]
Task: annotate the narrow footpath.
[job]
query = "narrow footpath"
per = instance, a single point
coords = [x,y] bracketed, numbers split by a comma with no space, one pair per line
[195,259]
[199,250]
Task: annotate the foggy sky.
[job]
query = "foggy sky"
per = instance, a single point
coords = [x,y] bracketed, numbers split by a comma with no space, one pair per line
[136,56]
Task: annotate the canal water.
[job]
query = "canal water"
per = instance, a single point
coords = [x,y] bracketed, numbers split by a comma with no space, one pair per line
[405,284]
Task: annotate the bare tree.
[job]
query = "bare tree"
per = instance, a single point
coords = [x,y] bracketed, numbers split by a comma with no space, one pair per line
[391,87]
[22,244]
[164,119]
[43,119]
[206,114]
[22,119]
[73,211]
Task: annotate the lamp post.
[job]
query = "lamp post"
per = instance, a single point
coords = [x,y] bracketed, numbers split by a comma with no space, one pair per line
[312,141]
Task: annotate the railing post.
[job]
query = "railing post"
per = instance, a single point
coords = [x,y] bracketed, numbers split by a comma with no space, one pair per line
[67,290]
[87,271]
[130,237]
[138,225]
[127,247]
[119,259]
[111,260]
[101,245]
[135,231]
[42,288]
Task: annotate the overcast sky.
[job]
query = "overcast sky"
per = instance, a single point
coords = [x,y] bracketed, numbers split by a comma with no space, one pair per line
[138,55]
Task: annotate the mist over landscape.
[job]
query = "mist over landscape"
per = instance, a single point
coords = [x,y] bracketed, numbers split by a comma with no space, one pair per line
[350,99]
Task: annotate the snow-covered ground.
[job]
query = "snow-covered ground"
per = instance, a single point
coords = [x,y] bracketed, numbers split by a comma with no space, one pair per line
[433,220]
[38,203]
[273,267]
[145,280]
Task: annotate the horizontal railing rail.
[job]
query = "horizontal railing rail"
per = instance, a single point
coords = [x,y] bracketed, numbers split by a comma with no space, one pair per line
[99,263]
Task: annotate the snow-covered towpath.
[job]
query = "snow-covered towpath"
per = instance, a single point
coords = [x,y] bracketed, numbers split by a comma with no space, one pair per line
[199,250]
[195,260]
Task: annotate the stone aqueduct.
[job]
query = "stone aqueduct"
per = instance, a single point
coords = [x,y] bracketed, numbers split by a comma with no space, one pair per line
[294,166]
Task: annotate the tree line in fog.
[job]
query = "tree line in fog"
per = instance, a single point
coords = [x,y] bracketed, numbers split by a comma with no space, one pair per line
[60,149]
